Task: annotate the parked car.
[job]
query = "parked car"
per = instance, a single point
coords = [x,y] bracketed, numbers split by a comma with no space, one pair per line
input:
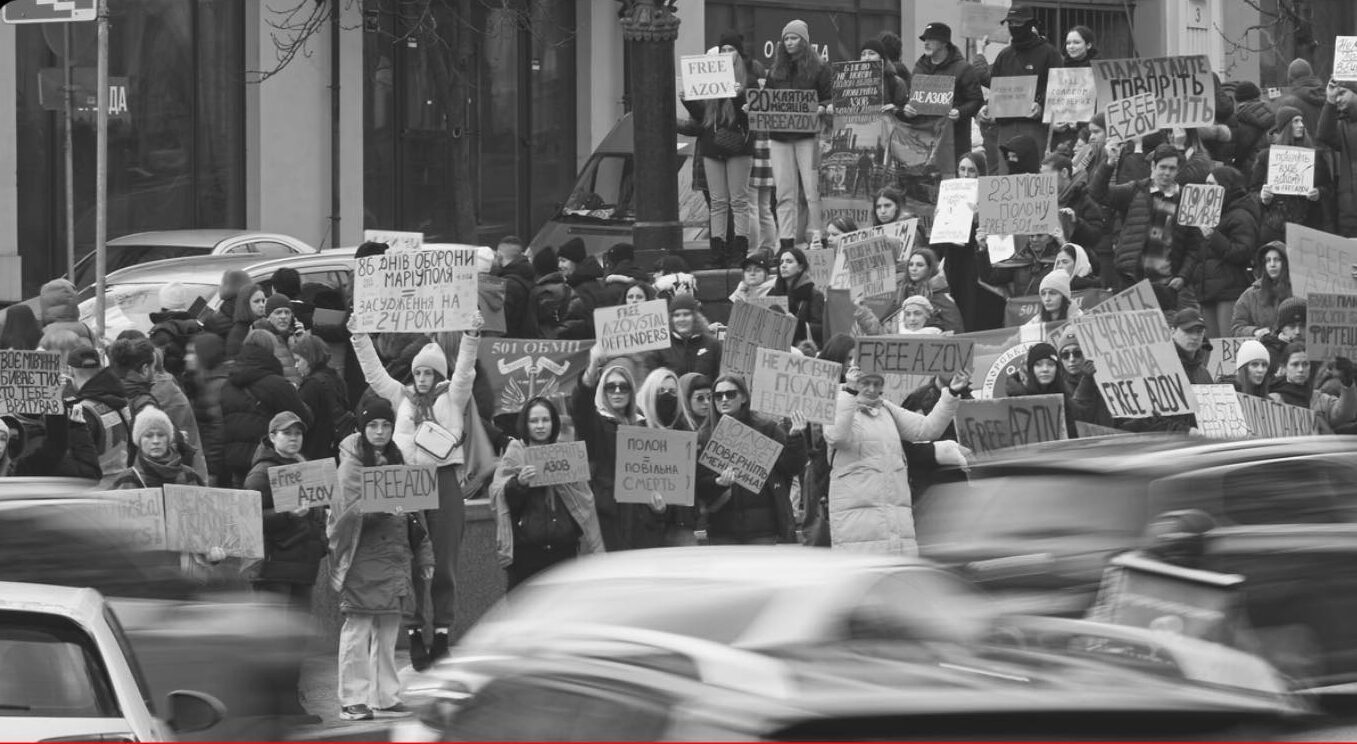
[70,673]
[719,644]
[1037,525]
[140,248]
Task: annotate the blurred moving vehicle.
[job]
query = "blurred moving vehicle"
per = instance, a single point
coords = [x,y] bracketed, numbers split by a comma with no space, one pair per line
[740,643]
[1037,525]
[70,674]
[142,247]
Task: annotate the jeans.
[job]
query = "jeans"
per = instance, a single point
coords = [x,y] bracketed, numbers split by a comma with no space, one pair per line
[793,161]
[728,183]
[367,659]
[761,217]
[1219,317]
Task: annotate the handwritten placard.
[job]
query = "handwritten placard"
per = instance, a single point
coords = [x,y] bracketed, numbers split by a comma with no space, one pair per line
[1139,373]
[915,355]
[1070,95]
[957,201]
[707,76]
[424,291]
[395,240]
[989,425]
[1224,356]
[786,383]
[783,110]
[871,267]
[1319,261]
[1219,415]
[742,448]
[1182,87]
[858,87]
[140,515]
[1331,326]
[631,329]
[1291,170]
[564,462]
[1200,205]
[30,382]
[821,267]
[655,461]
[1345,58]
[1131,118]
[1138,296]
[309,484]
[1000,247]
[199,519]
[1021,204]
[931,95]
[1267,418]
[752,328]
[1012,97]
[397,488]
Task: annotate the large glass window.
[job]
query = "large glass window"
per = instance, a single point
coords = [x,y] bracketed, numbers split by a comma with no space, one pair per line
[176,151]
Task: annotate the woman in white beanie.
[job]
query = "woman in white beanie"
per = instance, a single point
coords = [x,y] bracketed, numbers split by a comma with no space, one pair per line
[1057,301]
[796,155]
[1252,369]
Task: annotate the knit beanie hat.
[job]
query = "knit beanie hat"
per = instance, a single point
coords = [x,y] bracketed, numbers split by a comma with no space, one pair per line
[732,38]
[683,302]
[1290,312]
[1284,116]
[1249,352]
[151,419]
[1349,84]
[175,296]
[1246,91]
[277,301]
[918,301]
[544,261]
[572,250]
[1058,281]
[1066,339]
[431,356]
[874,45]
[1298,69]
[799,28]
[377,409]
[1040,351]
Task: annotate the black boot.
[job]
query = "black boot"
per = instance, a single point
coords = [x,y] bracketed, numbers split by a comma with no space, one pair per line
[718,253]
[440,646]
[419,654]
[738,250]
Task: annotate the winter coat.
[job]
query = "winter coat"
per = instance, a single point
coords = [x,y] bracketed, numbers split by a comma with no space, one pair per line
[699,352]
[255,391]
[108,420]
[1134,201]
[550,300]
[520,317]
[293,544]
[1252,311]
[706,139]
[870,506]
[324,393]
[1331,411]
[588,293]
[1254,119]
[576,498]
[172,400]
[735,511]
[1306,94]
[63,448]
[282,350]
[1087,227]
[967,98]
[1340,134]
[1227,253]
[1290,208]
[220,320]
[807,303]
[1035,56]
[139,476]
[204,389]
[1197,365]
[822,82]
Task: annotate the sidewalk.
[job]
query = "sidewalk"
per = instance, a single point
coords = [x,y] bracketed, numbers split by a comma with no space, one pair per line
[320,688]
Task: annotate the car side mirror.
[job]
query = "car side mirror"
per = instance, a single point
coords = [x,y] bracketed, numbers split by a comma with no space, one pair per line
[192,711]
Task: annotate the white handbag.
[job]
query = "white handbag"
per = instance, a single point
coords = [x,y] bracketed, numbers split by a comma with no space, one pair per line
[436,442]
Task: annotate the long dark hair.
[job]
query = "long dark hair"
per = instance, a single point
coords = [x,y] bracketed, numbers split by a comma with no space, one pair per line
[367,454]
[786,67]
[1274,291]
[839,348]
[721,112]
[1062,314]
[895,195]
[522,423]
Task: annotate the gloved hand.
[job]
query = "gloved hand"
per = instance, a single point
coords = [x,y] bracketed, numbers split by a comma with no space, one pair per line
[1345,370]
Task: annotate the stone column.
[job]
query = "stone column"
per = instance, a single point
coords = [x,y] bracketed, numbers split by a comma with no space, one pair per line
[649,27]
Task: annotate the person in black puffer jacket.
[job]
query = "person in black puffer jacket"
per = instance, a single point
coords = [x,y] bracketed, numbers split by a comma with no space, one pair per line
[1028,54]
[254,393]
[692,347]
[294,540]
[1253,119]
[1227,251]
[324,393]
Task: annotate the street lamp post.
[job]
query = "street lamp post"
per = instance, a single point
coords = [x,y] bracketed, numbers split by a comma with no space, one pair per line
[650,27]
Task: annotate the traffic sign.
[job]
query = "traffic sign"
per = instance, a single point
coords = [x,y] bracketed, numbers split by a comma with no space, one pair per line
[49,11]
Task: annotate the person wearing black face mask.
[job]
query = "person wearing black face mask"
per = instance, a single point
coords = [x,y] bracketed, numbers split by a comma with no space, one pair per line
[659,403]
[1029,53]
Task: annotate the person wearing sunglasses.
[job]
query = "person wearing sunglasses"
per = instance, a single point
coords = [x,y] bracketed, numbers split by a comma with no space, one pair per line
[737,515]
[694,401]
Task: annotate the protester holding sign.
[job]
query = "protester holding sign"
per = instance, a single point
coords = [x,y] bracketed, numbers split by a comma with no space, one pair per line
[1227,250]
[693,346]
[895,83]
[1297,388]
[661,407]
[795,154]
[537,527]
[1312,209]
[1255,311]
[1081,49]
[1337,129]
[942,58]
[694,401]
[921,278]
[1253,370]
[294,541]
[1028,54]
[370,559]
[805,302]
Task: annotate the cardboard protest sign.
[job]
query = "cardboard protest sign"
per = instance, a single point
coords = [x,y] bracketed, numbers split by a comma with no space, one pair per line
[1139,372]
[1200,205]
[858,87]
[915,355]
[1131,118]
[931,95]
[631,329]
[955,213]
[853,169]
[1088,431]
[1219,415]
[1000,247]
[423,291]
[139,514]
[395,240]
[309,483]
[871,267]
[1331,326]
[198,519]
[1291,170]
[1019,310]
[1319,261]
[782,110]
[490,301]
[988,425]
[30,382]
[1345,58]
[821,262]
[1224,352]
[396,488]
[979,20]
[707,76]
[1267,418]
[751,328]
[1138,296]
[749,453]
[655,461]
[563,462]
[1022,204]
[1012,97]
[1070,95]
[1183,89]
[785,383]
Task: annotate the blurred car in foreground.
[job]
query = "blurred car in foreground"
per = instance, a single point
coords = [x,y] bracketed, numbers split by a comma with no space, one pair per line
[724,644]
[143,247]
[1037,525]
[68,673]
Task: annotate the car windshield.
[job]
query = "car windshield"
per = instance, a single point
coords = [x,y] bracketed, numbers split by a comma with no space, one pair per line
[52,669]
[1034,506]
[605,192]
[122,256]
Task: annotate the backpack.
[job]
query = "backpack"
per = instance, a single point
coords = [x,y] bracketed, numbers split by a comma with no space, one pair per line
[551,302]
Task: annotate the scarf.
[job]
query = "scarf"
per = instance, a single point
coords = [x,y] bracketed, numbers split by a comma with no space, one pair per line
[1292,393]
[423,402]
[168,470]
